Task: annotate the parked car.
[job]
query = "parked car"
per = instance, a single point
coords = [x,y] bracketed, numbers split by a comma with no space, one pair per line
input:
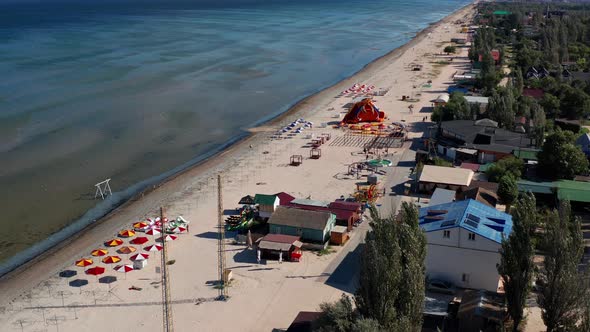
[440,286]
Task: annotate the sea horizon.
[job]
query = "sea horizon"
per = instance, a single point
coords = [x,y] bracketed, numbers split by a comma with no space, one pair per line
[144,99]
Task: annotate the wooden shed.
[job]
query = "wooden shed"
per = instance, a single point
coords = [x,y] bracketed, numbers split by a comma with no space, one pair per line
[339,235]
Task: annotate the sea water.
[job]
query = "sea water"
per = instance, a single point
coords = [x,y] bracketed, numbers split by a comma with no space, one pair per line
[136,90]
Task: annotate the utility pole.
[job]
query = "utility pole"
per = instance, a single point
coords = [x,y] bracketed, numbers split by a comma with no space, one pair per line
[221,244]
[166,305]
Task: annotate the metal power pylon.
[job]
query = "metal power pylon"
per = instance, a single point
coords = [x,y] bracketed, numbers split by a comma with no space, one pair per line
[221,245]
[166,305]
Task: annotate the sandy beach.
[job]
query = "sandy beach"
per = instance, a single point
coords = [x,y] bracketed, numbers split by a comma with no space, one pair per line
[262,296]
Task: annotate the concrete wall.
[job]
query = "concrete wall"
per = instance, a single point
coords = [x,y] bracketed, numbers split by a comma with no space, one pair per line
[450,263]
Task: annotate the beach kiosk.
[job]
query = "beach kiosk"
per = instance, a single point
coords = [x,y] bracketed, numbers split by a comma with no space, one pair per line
[266,204]
[278,245]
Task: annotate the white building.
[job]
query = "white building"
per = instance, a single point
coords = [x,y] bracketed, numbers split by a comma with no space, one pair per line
[464,240]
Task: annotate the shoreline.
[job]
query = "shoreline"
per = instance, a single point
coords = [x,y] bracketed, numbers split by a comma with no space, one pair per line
[25,273]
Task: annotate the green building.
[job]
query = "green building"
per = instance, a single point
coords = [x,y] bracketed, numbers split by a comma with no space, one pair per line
[312,226]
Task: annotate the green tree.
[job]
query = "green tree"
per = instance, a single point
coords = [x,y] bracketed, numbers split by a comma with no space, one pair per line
[575,103]
[507,190]
[450,49]
[336,317]
[501,107]
[560,158]
[518,82]
[539,125]
[391,280]
[516,262]
[564,291]
[550,104]
[506,166]
[456,108]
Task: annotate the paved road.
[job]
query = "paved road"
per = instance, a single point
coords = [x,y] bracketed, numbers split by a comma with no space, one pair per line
[343,270]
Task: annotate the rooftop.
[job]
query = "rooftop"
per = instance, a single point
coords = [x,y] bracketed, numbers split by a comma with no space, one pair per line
[482,195]
[481,136]
[476,100]
[471,215]
[294,217]
[265,199]
[310,202]
[575,191]
[446,175]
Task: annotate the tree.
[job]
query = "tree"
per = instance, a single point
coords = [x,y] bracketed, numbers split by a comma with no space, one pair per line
[456,108]
[391,280]
[336,317]
[516,262]
[539,124]
[518,82]
[575,103]
[563,294]
[505,166]
[550,104]
[501,107]
[507,190]
[450,49]
[560,158]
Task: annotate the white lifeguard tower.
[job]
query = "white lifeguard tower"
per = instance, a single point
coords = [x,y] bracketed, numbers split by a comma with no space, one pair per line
[103,189]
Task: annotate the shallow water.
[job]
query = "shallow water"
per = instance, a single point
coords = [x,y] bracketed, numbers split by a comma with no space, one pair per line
[131,91]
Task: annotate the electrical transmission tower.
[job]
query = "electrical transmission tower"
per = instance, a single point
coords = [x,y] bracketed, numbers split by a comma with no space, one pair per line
[221,245]
[166,305]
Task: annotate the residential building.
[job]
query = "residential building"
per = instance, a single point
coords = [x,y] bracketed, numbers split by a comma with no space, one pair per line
[311,226]
[489,142]
[464,239]
[584,143]
[481,311]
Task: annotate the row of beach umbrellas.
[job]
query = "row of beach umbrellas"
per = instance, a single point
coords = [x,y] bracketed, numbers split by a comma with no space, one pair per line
[357,88]
[149,227]
[300,123]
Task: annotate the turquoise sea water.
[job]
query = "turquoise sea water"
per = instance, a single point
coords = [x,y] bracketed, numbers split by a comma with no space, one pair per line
[132,91]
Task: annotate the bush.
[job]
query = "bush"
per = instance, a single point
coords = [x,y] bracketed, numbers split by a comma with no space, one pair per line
[506,166]
[450,49]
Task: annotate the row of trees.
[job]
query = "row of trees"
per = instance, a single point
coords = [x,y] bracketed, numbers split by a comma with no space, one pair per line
[564,295]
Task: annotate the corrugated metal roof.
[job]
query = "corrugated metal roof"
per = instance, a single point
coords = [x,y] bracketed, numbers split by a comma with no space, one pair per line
[310,202]
[441,196]
[471,215]
[535,187]
[574,191]
[526,154]
[265,199]
[476,100]
[300,218]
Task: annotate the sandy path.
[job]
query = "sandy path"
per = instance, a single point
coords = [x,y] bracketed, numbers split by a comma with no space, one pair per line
[263,296]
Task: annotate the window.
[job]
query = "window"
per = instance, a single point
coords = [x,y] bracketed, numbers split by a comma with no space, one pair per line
[447,234]
[472,236]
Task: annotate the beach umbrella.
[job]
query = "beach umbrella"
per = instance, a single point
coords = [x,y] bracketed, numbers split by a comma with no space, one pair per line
[153,247]
[127,233]
[139,257]
[99,252]
[170,237]
[140,225]
[126,250]
[67,273]
[113,243]
[111,259]
[124,269]
[178,229]
[84,262]
[107,280]
[95,271]
[154,231]
[139,240]
[78,283]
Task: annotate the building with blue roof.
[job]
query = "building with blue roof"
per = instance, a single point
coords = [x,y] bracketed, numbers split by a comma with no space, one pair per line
[464,239]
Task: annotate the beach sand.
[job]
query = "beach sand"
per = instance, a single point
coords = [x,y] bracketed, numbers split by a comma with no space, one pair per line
[262,297]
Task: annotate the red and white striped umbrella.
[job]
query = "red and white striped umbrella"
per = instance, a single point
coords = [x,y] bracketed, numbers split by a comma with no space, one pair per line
[153,247]
[124,268]
[178,229]
[153,231]
[170,237]
[139,257]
